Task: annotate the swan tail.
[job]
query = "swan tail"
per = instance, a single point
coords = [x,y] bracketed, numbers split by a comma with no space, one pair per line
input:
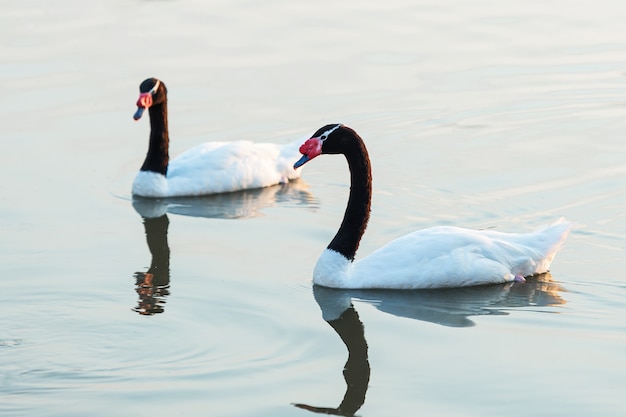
[548,241]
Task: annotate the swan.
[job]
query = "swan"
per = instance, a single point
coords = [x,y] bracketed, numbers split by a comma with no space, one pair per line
[437,257]
[209,168]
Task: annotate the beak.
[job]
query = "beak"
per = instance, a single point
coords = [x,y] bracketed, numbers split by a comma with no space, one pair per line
[139,113]
[301,161]
[144,101]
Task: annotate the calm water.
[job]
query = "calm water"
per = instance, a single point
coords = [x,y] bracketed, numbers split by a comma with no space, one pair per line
[478,114]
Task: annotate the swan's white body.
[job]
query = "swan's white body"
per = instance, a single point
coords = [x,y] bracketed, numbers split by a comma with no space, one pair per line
[219,167]
[445,257]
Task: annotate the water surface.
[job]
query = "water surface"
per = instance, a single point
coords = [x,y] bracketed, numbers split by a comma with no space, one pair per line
[481,114]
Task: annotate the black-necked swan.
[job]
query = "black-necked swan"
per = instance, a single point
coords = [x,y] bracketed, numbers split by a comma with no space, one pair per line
[209,168]
[438,257]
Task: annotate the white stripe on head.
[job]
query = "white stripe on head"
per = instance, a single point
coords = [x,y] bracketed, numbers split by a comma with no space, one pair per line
[325,135]
[154,89]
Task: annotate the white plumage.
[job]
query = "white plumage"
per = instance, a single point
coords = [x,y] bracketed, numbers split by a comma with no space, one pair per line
[219,167]
[445,257]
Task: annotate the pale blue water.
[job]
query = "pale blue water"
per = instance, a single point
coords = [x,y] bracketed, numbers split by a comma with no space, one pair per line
[481,114]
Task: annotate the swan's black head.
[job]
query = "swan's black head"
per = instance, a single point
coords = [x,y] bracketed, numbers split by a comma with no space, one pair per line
[151,92]
[330,139]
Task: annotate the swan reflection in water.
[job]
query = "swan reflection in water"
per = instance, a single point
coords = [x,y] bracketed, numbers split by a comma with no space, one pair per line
[153,286]
[446,307]
[236,205]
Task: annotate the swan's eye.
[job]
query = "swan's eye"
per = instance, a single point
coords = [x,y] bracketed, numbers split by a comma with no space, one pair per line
[323,137]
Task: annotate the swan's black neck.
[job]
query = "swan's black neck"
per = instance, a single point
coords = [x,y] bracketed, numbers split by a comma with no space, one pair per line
[357,214]
[157,158]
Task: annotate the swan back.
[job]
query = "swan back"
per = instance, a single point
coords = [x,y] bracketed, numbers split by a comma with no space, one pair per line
[445,257]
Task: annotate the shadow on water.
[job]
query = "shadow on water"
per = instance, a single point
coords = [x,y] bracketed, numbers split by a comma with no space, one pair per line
[356,371]
[446,307]
[452,307]
[153,286]
[236,205]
